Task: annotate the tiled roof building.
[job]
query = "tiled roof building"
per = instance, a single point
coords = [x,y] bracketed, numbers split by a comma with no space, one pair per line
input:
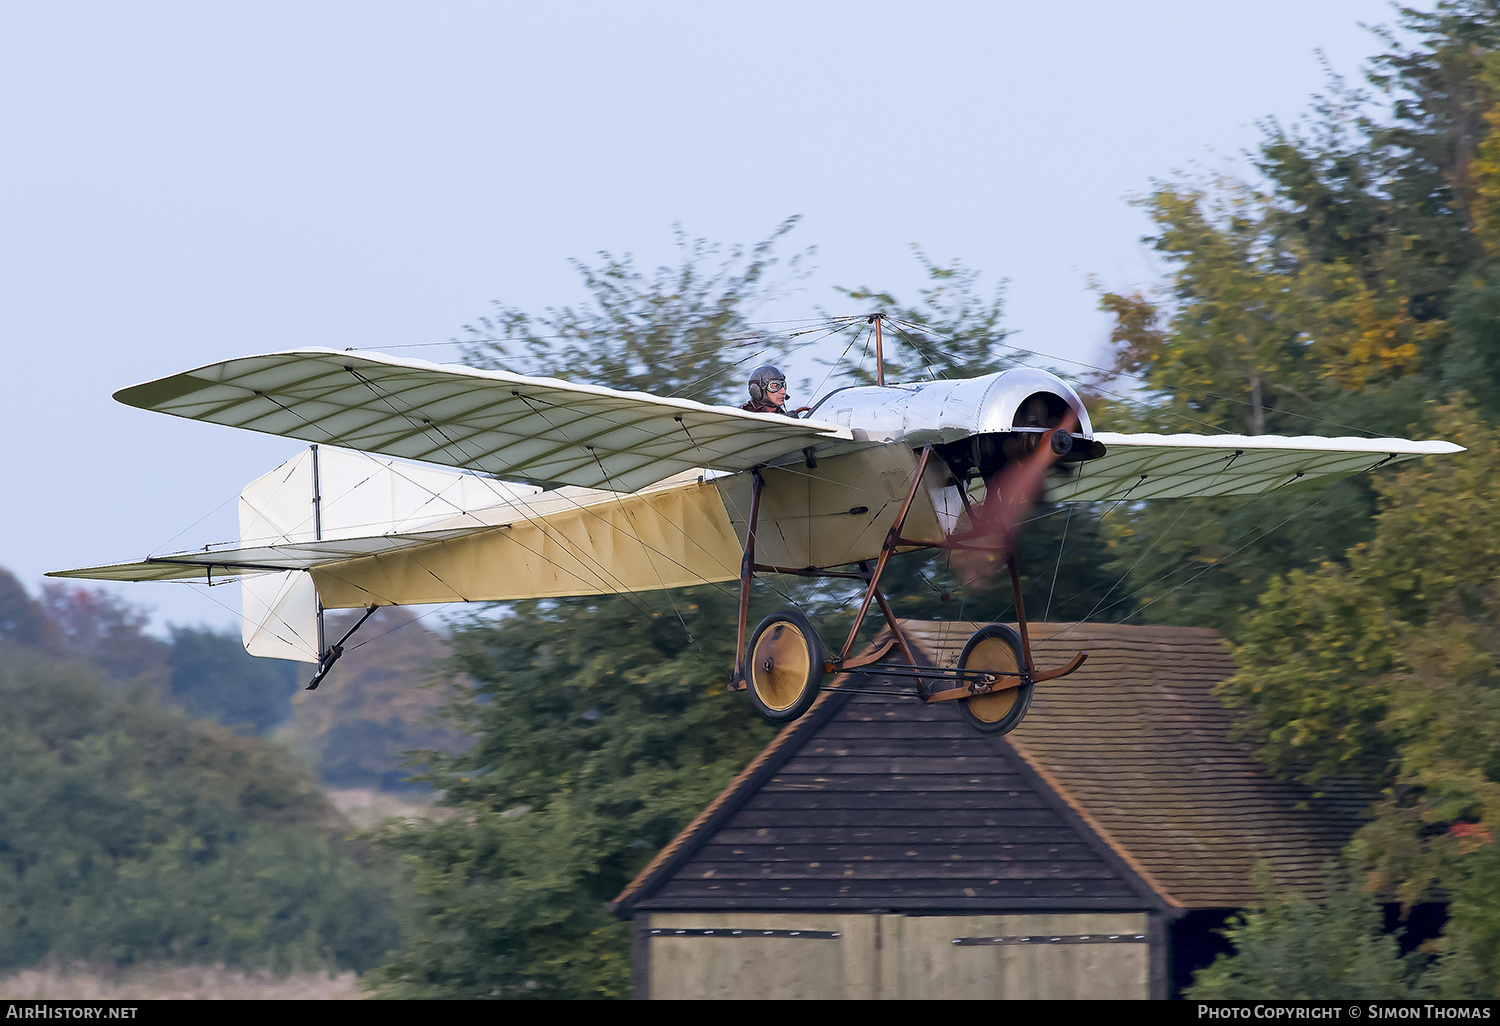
[877,835]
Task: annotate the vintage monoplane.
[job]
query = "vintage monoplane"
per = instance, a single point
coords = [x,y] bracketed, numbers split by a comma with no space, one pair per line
[531,487]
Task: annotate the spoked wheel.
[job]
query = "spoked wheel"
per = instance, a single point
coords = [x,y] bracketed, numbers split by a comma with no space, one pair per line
[784,665]
[995,648]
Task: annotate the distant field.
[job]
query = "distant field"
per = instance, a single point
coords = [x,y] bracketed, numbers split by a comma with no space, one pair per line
[367,808]
[169,983]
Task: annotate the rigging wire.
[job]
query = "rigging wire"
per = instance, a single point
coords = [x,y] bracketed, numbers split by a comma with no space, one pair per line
[1249,533]
[859,329]
[908,329]
[194,524]
[1155,542]
[1137,402]
[1057,567]
[1217,563]
[645,552]
[687,390]
[619,586]
[540,338]
[438,608]
[911,340]
[583,559]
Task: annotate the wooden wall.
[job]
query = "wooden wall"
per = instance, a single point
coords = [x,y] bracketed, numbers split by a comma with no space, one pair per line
[893,956]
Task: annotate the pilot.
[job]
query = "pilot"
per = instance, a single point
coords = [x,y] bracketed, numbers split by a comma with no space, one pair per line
[768,392]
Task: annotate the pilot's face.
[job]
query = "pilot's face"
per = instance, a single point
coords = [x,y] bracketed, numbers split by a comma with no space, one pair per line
[776,392]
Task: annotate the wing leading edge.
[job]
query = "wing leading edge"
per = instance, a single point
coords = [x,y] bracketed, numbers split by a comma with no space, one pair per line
[1150,466]
[538,430]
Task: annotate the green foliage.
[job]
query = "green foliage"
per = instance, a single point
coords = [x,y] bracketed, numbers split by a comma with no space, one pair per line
[1469,951]
[1203,561]
[133,834]
[1388,669]
[1291,949]
[679,331]
[22,619]
[509,907]
[1471,362]
[1415,606]
[1343,294]
[213,677]
[107,631]
[601,726]
[1233,351]
[1423,150]
[1349,291]
[1255,335]
[1310,680]
[953,331]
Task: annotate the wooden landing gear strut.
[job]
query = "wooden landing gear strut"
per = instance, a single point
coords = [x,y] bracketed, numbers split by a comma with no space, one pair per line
[783,666]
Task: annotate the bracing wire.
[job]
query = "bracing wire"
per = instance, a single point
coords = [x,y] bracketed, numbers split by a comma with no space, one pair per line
[910,331]
[859,329]
[616,586]
[1057,567]
[619,585]
[1217,563]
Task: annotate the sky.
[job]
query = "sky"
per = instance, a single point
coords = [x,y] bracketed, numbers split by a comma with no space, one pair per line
[185,182]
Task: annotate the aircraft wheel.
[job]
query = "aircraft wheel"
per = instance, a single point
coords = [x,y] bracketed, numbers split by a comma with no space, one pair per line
[784,665]
[995,647]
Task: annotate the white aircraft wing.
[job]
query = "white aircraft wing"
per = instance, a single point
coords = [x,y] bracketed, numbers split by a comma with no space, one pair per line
[1150,466]
[538,430]
[218,564]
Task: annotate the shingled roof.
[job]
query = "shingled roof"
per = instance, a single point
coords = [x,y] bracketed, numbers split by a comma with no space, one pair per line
[1122,789]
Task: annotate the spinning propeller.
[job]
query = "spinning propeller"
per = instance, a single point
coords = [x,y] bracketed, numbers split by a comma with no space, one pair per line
[1014,489]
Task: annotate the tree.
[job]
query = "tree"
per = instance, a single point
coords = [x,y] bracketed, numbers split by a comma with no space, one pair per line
[374,707]
[1424,150]
[213,676]
[599,725]
[107,631]
[953,331]
[1248,337]
[1350,289]
[679,331]
[1290,949]
[22,618]
[1386,669]
[132,834]
[1346,292]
